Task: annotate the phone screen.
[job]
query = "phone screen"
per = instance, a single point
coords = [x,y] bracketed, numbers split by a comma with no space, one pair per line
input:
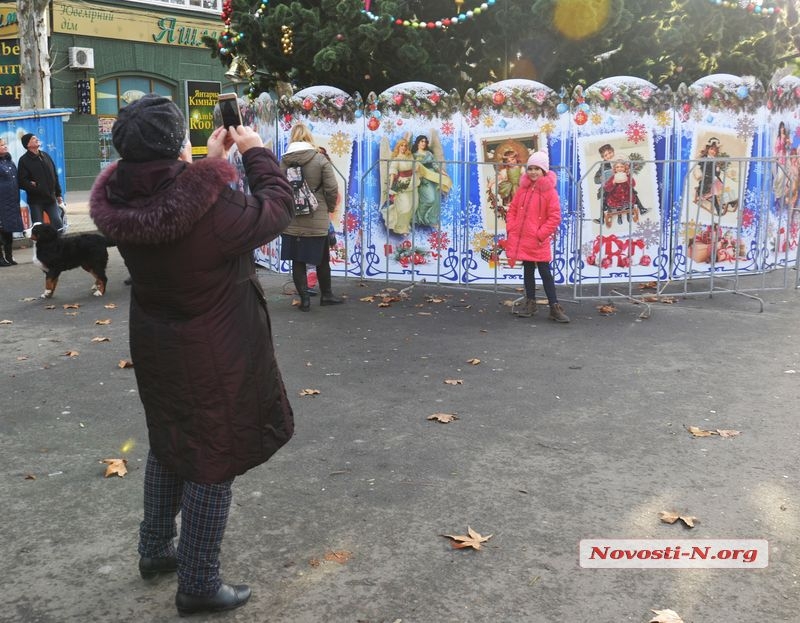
[229,109]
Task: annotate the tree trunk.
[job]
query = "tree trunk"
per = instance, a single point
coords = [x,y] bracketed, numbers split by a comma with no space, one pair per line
[34,56]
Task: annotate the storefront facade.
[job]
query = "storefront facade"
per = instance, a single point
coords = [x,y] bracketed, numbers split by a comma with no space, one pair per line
[106,54]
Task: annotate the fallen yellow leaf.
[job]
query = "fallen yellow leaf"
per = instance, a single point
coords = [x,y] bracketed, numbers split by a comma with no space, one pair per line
[728,433]
[110,306]
[665,616]
[309,392]
[367,299]
[71,353]
[474,361]
[49,306]
[472,539]
[606,310]
[116,467]
[71,306]
[6,322]
[340,556]
[453,382]
[443,418]
[103,322]
[125,363]
[101,339]
[671,517]
[700,432]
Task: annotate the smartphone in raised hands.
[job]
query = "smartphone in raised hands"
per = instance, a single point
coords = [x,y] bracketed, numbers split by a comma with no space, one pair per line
[229,109]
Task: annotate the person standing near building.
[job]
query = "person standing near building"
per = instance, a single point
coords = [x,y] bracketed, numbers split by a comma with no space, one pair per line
[10,218]
[38,178]
[534,215]
[200,336]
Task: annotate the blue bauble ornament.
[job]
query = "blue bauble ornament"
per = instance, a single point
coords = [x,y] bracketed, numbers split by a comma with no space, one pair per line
[359,113]
[742,92]
[562,108]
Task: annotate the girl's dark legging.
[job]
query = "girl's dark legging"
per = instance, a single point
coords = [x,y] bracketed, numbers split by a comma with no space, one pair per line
[529,276]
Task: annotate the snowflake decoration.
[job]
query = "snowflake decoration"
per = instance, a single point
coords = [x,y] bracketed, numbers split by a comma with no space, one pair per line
[663,119]
[340,143]
[481,240]
[388,126]
[448,128]
[697,116]
[748,218]
[649,231]
[548,127]
[488,121]
[636,132]
[745,127]
[438,240]
[352,222]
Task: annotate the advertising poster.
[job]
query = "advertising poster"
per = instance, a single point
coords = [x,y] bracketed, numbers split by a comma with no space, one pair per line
[201,97]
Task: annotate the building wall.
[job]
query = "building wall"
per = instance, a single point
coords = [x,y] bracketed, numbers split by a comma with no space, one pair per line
[114,56]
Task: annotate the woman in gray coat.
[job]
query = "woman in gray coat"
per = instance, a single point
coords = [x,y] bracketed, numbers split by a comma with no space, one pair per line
[305,241]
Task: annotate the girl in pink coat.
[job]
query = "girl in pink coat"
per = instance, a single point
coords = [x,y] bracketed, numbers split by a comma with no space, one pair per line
[533,217]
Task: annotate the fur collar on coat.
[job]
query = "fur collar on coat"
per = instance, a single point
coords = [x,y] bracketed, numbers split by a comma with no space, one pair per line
[156,202]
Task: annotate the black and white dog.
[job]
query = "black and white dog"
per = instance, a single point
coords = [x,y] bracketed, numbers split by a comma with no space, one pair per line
[55,254]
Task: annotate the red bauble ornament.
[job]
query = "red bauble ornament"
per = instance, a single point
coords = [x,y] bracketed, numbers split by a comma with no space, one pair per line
[373,124]
[474,112]
[606,263]
[607,94]
[645,261]
[398,98]
[708,92]
[434,97]
[287,118]
[308,104]
[581,117]
[499,98]
[591,259]
[340,37]
[624,262]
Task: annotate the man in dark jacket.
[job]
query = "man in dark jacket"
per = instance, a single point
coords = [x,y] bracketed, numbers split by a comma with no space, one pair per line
[200,335]
[38,178]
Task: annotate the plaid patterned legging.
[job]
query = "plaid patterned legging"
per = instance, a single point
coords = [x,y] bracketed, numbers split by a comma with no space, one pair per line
[204,513]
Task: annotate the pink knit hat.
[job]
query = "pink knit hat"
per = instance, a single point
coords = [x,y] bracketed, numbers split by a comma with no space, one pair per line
[540,159]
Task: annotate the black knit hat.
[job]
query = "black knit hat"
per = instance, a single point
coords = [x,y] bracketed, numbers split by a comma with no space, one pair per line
[151,128]
[26,138]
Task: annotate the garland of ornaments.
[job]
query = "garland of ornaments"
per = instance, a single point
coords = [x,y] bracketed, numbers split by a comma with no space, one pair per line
[754,7]
[442,23]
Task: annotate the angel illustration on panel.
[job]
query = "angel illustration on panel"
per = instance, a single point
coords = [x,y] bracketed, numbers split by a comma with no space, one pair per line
[510,158]
[398,185]
[413,182]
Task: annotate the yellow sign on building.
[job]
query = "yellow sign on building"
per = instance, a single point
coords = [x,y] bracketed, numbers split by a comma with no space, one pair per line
[123,22]
[9,26]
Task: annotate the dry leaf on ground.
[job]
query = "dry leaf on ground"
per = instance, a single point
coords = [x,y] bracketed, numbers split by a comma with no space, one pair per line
[125,363]
[71,306]
[367,299]
[453,382]
[103,322]
[314,562]
[671,517]
[471,539]
[22,357]
[700,432]
[668,300]
[728,433]
[101,338]
[309,392]
[434,299]
[49,306]
[606,310]
[116,467]
[341,556]
[110,306]
[649,285]
[71,353]
[6,322]
[30,477]
[665,616]
[443,418]
[474,361]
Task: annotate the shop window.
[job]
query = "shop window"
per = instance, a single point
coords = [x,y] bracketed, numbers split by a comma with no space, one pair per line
[116,93]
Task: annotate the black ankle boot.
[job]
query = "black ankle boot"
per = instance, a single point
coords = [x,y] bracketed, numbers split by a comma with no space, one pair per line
[227,598]
[329,299]
[305,302]
[150,568]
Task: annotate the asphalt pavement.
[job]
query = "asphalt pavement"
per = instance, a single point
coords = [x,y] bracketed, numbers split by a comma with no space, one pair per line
[564,433]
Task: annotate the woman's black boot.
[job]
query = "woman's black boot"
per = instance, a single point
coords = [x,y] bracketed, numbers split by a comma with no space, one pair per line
[300,279]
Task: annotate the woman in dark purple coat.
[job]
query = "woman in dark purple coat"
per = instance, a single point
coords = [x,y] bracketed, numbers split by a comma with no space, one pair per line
[200,333]
[10,217]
